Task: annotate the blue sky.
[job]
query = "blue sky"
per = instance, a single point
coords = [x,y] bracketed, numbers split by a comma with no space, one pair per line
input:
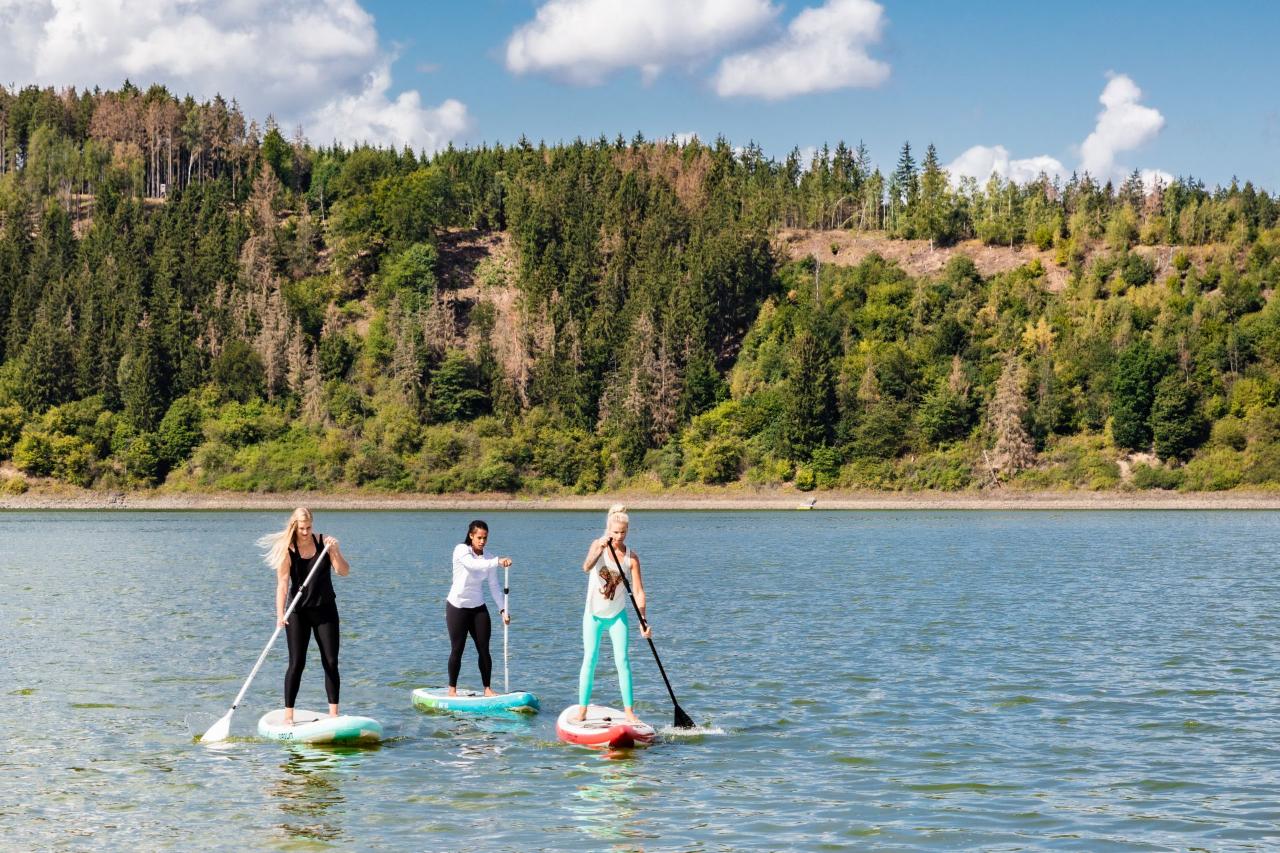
[1191,88]
[1023,75]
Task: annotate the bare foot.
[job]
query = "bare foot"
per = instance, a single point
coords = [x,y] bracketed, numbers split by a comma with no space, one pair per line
[488,691]
[288,717]
[631,716]
[453,690]
[581,714]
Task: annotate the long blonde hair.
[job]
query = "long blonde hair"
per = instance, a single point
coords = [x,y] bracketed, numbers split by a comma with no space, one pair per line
[277,545]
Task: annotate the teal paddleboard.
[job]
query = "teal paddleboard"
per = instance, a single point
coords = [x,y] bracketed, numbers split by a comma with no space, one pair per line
[471,702]
[312,727]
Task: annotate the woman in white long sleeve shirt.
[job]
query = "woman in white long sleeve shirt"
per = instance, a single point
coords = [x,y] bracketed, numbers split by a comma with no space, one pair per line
[464,608]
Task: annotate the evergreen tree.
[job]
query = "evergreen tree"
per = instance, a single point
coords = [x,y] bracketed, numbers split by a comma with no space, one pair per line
[810,398]
[1177,426]
[1138,369]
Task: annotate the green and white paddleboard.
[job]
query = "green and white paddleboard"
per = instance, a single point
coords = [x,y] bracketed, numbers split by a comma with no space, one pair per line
[472,702]
[313,727]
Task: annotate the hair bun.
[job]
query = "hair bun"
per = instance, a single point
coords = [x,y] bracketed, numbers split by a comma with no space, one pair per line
[618,509]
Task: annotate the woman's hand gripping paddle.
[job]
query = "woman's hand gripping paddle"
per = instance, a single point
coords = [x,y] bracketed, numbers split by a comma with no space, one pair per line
[683,720]
[221,729]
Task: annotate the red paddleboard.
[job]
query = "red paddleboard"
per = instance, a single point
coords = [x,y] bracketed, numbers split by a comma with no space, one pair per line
[603,727]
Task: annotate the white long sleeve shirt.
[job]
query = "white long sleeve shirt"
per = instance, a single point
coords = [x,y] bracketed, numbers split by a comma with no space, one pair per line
[470,571]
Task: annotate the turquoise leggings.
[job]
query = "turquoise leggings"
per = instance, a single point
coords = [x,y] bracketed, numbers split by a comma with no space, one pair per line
[620,635]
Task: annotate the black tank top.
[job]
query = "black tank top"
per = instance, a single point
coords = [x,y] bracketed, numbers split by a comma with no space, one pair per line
[320,591]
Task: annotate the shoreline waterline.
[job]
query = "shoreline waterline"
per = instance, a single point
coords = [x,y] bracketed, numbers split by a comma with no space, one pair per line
[764,500]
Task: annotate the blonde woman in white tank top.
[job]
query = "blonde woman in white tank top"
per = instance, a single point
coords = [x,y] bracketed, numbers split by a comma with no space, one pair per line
[606,608]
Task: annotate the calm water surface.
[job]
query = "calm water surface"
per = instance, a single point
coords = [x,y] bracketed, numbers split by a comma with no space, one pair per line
[885,681]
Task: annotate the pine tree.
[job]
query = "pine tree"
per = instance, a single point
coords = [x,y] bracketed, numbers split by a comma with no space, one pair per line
[933,215]
[810,397]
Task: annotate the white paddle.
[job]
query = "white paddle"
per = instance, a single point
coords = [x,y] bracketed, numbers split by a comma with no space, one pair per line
[506,612]
[221,729]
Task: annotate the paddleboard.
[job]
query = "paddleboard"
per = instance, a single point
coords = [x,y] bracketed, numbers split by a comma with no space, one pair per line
[472,702]
[313,727]
[602,727]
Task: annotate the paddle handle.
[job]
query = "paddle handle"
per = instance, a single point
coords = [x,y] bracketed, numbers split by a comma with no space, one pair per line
[506,614]
[292,604]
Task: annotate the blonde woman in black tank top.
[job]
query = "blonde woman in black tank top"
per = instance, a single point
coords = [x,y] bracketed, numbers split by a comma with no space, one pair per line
[292,553]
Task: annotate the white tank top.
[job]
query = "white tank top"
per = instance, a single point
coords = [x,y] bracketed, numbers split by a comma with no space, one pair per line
[597,602]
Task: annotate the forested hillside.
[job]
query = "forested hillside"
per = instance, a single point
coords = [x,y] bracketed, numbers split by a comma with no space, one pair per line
[191,299]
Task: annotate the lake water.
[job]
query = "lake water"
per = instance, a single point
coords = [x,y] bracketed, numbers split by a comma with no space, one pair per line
[877,680]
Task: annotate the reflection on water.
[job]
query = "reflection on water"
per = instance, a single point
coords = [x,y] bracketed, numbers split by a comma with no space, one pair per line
[309,789]
[612,807]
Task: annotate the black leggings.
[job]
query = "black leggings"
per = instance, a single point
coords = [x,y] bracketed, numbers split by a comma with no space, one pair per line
[473,621]
[303,622]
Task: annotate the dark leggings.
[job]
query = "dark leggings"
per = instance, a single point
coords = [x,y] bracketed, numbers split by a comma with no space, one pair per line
[473,621]
[303,622]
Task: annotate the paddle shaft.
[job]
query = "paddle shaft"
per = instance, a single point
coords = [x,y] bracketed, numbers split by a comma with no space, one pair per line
[506,614]
[680,714]
[292,604]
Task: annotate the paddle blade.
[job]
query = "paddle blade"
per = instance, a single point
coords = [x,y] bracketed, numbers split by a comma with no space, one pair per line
[683,720]
[220,730]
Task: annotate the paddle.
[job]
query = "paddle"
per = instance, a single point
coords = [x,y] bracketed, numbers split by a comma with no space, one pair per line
[221,729]
[683,720]
[506,613]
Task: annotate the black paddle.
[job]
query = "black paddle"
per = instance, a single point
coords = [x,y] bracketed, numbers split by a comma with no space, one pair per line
[683,720]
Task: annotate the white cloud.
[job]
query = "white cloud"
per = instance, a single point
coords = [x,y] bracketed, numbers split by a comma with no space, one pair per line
[1123,125]
[1151,176]
[370,116]
[313,62]
[980,161]
[824,48]
[583,41]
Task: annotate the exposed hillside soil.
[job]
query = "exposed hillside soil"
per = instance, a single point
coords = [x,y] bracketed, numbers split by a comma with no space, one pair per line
[480,266]
[917,258]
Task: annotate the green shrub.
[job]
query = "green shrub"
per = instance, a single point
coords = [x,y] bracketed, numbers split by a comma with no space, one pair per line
[948,471]
[243,424]
[308,299]
[181,431]
[881,432]
[11,423]
[1262,465]
[413,270]
[826,466]
[495,475]
[239,372]
[143,459]
[73,459]
[1156,477]
[441,447]
[34,453]
[805,479]
[14,486]
[373,466]
[944,416]
[870,474]
[1214,470]
[1229,432]
[720,461]
[1177,427]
